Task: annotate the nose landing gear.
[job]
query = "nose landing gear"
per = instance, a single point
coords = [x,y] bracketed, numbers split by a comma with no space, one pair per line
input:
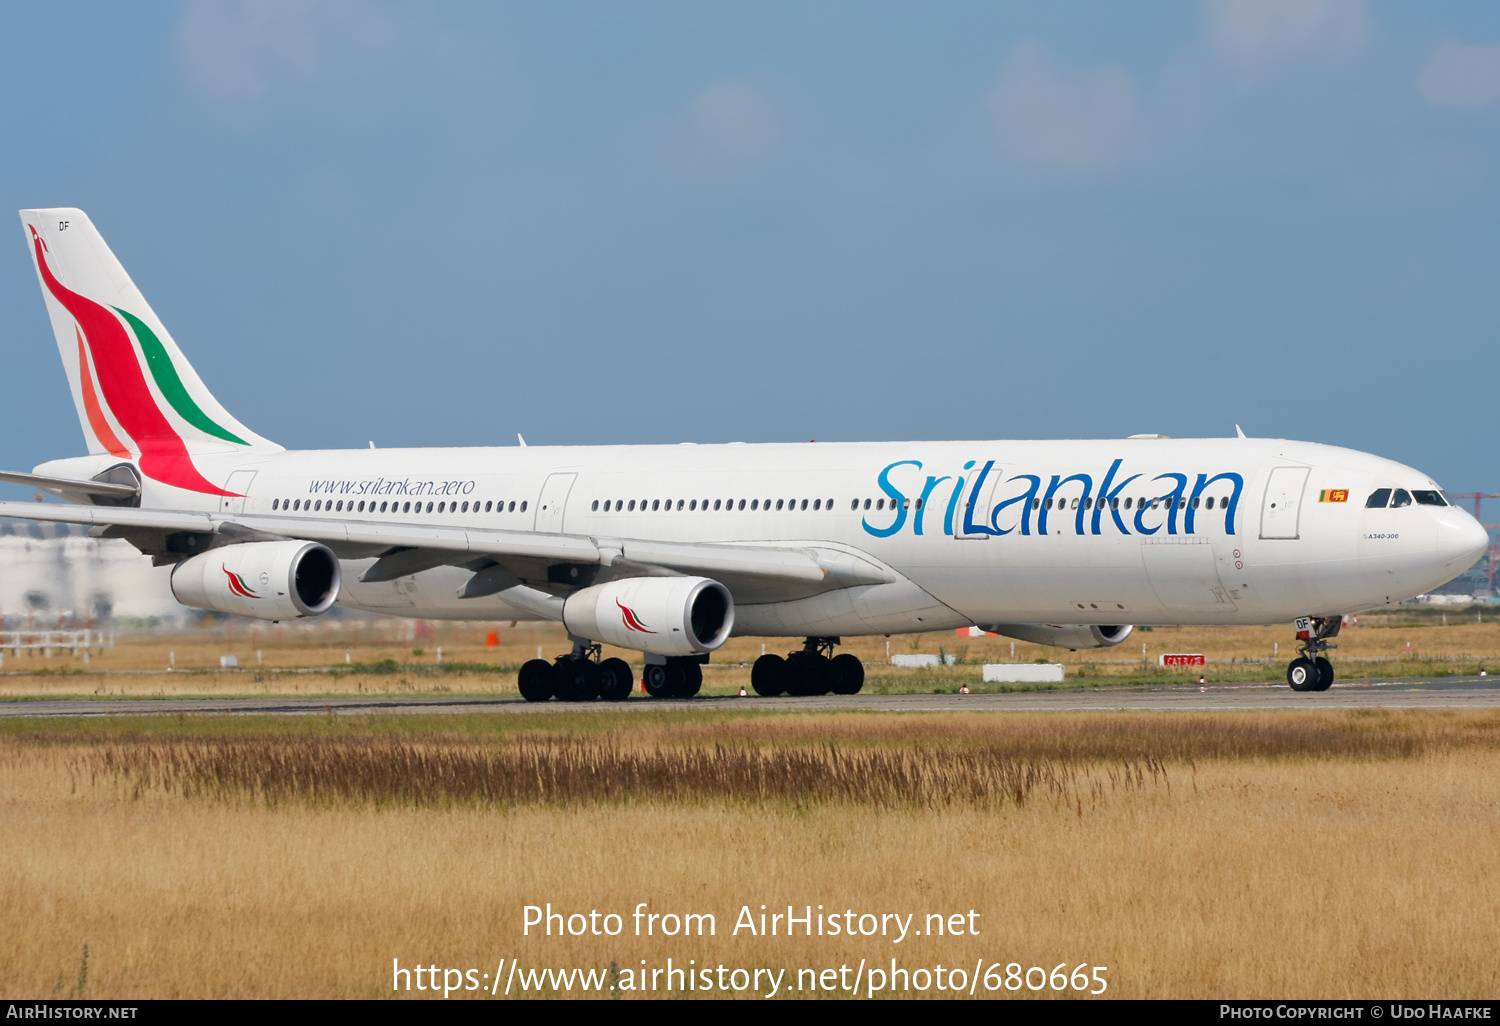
[815,670]
[1311,671]
[579,676]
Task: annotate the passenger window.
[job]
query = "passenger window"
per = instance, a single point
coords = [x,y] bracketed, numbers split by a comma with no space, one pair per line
[429,507]
[595,507]
[818,504]
[1075,504]
[754,505]
[867,504]
[854,504]
[680,504]
[632,505]
[440,506]
[1401,498]
[1195,502]
[1036,504]
[655,505]
[693,505]
[1428,498]
[804,504]
[487,505]
[828,504]
[274,503]
[523,505]
[718,504]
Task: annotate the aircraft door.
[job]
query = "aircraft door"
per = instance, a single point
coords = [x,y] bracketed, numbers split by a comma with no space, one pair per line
[239,483]
[554,501]
[1281,509]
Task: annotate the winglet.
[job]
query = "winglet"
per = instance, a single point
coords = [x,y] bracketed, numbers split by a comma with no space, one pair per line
[1238,432]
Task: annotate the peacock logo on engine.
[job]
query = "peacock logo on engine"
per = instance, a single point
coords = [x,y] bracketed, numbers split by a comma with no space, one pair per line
[631,621]
[237,583]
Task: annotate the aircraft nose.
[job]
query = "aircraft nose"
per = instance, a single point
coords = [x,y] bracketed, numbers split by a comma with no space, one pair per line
[1460,540]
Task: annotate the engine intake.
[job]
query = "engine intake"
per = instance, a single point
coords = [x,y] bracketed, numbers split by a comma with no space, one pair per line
[1065,635]
[268,580]
[670,616]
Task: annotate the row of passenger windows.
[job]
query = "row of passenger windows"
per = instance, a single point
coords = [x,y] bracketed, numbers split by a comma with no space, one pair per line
[691,505]
[1380,498]
[1162,502]
[330,506]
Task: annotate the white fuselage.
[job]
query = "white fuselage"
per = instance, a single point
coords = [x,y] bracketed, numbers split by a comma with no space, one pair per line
[1143,531]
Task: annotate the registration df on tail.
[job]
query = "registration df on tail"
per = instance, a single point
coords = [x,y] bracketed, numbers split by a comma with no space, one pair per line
[669,550]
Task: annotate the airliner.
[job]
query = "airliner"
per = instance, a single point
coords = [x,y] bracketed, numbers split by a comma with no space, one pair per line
[669,550]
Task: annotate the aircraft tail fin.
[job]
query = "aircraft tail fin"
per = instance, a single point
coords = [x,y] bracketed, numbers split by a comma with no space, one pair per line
[136,394]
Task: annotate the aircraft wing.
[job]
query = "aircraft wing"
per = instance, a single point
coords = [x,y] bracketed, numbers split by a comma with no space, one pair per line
[754,571]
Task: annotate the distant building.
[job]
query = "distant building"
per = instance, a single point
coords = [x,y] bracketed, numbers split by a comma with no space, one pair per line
[54,571]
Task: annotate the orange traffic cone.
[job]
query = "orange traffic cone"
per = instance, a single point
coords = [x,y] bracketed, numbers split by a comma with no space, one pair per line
[742,692]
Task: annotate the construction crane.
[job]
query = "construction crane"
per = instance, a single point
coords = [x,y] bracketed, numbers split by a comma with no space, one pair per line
[1477,498]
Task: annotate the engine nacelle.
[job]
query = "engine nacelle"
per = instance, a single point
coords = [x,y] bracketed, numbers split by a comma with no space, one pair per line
[1064,635]
[669,616]
[268,580]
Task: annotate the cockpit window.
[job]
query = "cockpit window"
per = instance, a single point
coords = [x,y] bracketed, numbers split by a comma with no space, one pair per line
[1429,498]
[1378,498]
[1401,498]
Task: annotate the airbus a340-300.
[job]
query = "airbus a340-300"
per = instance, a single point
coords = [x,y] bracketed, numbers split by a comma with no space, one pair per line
[671,549]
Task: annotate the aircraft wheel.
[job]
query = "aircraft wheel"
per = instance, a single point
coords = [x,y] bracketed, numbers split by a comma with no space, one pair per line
[575,680]
[768,676]
[846,674]
[535,680]
[1302,675]
[663,679]
[615,680]
[807,674]
[1325,673]
[691,681]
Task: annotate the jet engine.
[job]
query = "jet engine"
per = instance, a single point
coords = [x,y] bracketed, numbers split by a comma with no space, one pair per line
[669,616]
[1064,635]
[279,580]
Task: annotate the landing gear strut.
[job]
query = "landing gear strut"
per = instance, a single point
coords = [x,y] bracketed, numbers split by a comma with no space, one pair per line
[1311,671]
[815,670]
[579,676]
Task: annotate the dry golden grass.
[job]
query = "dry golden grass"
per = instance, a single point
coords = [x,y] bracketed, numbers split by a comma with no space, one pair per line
[1334,855]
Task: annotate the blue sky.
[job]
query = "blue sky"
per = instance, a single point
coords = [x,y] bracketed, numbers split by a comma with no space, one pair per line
[640,222]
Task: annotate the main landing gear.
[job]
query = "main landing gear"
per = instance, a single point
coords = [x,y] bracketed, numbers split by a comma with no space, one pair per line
[813,671]
[1310,671]
[579,676]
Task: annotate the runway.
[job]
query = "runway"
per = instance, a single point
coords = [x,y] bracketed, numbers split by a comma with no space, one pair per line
[1438,693]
